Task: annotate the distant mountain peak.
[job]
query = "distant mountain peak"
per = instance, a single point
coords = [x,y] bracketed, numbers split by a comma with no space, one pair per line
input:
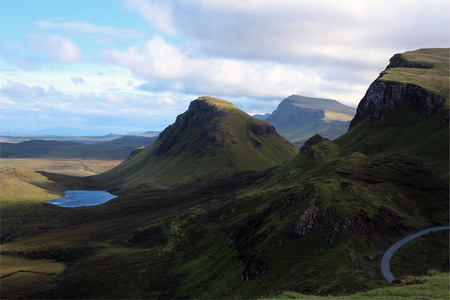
[298,118]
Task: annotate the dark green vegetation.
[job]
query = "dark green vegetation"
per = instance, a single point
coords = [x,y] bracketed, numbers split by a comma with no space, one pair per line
[431,286]
[298,118]
[316,225]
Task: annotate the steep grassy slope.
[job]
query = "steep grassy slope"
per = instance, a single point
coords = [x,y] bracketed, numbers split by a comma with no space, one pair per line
[212,139]
[406,110]
[298,118]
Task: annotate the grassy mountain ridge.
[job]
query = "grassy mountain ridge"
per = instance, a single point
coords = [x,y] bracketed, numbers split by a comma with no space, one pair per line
[212,139]
[427,68]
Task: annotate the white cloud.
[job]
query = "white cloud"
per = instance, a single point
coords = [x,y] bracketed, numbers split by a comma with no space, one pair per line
[62,48]
[155,58]
[168,68]
[157,13]
[85,27]
[300,30]
[114,97]
[39,49]
[53,92]
[77,80]
[20,90]
[271,48]
[116,108]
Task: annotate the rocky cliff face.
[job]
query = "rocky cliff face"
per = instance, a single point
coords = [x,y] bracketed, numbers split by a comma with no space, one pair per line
[384,97]
[398,61]
[210,109]
[198,114]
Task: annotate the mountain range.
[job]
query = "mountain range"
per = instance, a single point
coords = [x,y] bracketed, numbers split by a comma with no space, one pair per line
[118,148]
[222,206]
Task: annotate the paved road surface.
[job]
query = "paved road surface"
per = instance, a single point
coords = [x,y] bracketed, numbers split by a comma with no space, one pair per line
[386,260]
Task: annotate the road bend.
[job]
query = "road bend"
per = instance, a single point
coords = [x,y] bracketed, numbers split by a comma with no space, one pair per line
[386,259]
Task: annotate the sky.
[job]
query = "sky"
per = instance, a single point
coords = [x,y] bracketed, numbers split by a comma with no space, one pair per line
[121,66]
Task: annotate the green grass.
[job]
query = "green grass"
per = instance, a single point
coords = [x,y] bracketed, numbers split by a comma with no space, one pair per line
[434,79]
[410,287]
[68,166]
[23,278]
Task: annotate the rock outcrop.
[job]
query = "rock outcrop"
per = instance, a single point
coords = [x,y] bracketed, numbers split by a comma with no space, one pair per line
[384,97]
[205,107]
[398,61]
[388,93]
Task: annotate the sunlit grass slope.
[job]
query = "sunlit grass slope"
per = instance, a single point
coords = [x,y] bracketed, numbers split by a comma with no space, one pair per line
[68,166]
[431,75]
[21,184]
[212,139]
[22,193]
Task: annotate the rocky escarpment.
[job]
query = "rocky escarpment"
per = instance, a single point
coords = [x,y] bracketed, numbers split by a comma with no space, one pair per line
[335,224]
[288,114]
[398,61]
[203,106]
[385,96]
[200,112]
[263,129]
[297,118]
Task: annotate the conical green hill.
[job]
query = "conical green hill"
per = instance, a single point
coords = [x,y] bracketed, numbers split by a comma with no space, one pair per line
[213,138]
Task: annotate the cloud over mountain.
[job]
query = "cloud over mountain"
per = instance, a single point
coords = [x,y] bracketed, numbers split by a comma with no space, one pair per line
[253,53]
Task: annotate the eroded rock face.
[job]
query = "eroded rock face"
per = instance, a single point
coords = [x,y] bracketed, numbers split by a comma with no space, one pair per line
[193,117]
[397,61]
[262,129]
[384,97]
[376,228]
[306,222]
[211,109]
[288,114]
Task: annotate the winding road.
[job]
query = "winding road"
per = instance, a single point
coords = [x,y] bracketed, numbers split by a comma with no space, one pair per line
[386,260]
